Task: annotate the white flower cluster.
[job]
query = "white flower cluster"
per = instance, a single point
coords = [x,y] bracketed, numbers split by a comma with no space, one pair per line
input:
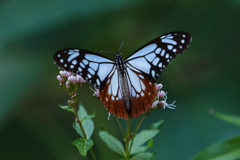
[161,99]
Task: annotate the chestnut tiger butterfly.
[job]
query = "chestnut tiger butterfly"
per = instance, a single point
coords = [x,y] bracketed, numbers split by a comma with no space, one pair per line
[126,86]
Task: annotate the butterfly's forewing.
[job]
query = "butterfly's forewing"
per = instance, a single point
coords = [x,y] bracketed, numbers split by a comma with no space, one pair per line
[91,66]
[111,96]
[146,64]
[152,58]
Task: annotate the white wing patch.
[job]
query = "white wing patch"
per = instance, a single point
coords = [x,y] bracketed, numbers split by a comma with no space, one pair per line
[93,65]
[158,50]
[114,88]
[104,70]
[95,58]
[169,41]
[135,83]
[73,55]
[114,83]
[143,51]
[150,56]
[142,64]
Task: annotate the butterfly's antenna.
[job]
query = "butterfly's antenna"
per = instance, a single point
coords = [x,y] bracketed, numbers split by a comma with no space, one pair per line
[104,51]
[92,89]
[110,51]
[120,47]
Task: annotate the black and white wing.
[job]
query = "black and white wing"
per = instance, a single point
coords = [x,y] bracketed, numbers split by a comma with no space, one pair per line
[93,67]
[152,58]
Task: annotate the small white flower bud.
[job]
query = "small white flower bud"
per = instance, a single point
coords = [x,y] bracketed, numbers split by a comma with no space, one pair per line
[160,94]
[158,86]
[72,80]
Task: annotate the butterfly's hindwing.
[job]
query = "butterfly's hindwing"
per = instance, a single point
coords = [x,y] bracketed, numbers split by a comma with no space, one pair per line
[142,92]
[112,98]
[152,58]
[91,66]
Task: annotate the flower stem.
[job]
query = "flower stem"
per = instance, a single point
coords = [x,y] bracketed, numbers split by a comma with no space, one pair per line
[128,134]
[135,131]
[141,121]
[121,128]
[80,124]
[93,155]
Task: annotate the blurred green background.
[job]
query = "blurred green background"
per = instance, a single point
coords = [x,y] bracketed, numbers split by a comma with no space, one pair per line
[206,76]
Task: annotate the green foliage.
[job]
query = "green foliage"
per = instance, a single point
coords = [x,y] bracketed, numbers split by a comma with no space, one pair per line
[150,143]
[228,118]
[156,125]
[138,147]
[87,124]
[144,156]
[83,145]
[113,143]
[226,150]
[145,136]
[66,107]
[90,116]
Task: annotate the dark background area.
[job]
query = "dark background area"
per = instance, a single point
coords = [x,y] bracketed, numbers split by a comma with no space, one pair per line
[206,76]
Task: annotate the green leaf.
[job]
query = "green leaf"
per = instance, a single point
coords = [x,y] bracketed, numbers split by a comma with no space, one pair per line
[157,125]
[150,143]
[90,116]
[67,108]
[229,149]
[145,136]
[83,145]
[144,156]
[113,143]
[123,159]
[228,118]
[139,149]
[87,124]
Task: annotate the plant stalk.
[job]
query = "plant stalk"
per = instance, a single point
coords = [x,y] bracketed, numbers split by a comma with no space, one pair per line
[141,121]
[84,134]
[135,131]
[128,134]
[121,128]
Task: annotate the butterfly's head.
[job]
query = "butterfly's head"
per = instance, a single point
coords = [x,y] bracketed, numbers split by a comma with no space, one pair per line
[117,55]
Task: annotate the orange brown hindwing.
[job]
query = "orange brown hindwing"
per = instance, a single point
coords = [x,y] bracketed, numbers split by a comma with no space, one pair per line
[116,105]
[142,103]
[139,104]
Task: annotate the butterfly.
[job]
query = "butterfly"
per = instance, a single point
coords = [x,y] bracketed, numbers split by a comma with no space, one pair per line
[126,86]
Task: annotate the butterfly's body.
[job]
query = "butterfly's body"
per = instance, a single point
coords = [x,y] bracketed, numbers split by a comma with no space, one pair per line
[120,64]
[126,86]
[121,67]
[125,93]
